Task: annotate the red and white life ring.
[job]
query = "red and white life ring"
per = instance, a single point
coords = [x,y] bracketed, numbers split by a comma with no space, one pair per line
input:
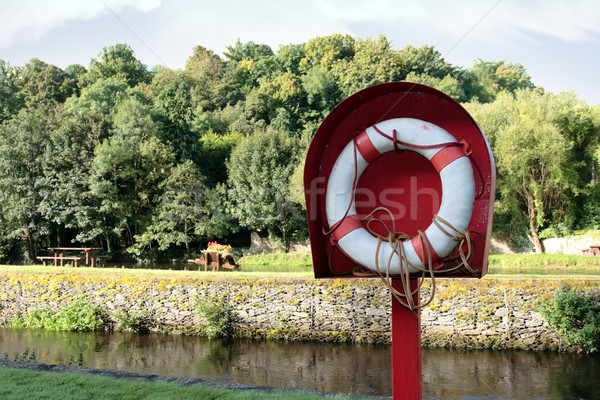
[458,192]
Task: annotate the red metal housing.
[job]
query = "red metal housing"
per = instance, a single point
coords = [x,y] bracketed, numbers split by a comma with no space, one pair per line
[416,181]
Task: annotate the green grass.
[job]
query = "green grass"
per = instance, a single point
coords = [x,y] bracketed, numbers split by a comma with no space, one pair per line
[146,273]
[283,265]
[279,262]
[548,266]
[544,261]
[299,265]
[34,385]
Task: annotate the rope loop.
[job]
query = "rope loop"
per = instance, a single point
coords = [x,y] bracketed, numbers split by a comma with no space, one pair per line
[395,240]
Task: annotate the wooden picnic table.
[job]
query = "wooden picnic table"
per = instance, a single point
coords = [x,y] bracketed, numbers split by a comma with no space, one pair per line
[91,253]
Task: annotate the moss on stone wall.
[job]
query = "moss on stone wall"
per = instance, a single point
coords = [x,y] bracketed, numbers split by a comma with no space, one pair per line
[487,313]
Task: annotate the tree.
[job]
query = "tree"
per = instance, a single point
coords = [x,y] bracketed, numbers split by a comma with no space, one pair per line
[284,95]
[216,150]
[171,93]
[494,77]
[247,51]
[259,173]
[449,85]
[374,61]
[222,121]
[576,317]
[116,61]
[11,97]
[66,200]
[126,172]
[42,82]
[322,91]
[23,141]
[325,51]
[423,60]
[537,179]
[212,87]
[183,214]
[288,58]
[93,109]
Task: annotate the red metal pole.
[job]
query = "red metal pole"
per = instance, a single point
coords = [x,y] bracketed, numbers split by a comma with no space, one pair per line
[406,347]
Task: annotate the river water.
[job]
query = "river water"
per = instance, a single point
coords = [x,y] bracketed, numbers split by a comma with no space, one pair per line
[356,369]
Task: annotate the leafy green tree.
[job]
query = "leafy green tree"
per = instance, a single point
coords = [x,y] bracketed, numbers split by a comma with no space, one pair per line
[126,172]
[42,82]
[325,51]
[11,96]
[259,172]
[256,108]
[449,85]
[182,215]
[537,179]
[75,71]
[212,87]
[216,150]
[116,61]
[65,198]
[288,58]
[373,62]
[221,121]
[322,93]
[423,60]
[93,109]
[247,51]
[171,93]
[250,72]
[494,77]
[23,141]
[284,97]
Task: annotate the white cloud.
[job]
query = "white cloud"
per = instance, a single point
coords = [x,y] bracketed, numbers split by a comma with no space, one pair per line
[575,20]
[27,20]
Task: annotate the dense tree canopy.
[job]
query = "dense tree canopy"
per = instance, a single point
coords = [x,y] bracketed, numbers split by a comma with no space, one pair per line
[544,171]
[129,158]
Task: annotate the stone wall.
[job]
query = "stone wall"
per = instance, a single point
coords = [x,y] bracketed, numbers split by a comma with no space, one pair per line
[573,245]
[488,313]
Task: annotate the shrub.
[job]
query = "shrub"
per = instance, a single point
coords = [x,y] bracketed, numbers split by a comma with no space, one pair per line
[137,322]
[576,317]
[36,319]
[215,313]
[77,316]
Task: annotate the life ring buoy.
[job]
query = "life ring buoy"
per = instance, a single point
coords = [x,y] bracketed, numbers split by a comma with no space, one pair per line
[456,207]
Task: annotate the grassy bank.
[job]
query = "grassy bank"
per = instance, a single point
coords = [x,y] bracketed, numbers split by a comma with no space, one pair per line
[281,262]
[287,265]
[32,385]
[544,262]
[144,273]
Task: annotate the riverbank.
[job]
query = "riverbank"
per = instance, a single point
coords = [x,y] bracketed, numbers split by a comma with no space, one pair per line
[18,380]
[489,313]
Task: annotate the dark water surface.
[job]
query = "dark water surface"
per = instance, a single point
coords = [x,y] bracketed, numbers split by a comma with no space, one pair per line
[356,369]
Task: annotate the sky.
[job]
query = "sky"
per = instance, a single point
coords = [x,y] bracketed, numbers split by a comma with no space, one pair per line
[557,41]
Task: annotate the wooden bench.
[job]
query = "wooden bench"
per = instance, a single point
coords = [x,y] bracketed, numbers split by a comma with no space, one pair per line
[75,260]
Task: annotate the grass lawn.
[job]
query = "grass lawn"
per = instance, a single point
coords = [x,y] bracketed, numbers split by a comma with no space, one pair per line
[33,385]
[544,266]
[299,265]
[144,273]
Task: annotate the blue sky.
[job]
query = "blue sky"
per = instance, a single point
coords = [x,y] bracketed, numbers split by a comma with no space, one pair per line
[558,42]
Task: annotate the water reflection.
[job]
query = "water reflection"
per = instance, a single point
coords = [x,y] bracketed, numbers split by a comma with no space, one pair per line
[359,369]
[509,375]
